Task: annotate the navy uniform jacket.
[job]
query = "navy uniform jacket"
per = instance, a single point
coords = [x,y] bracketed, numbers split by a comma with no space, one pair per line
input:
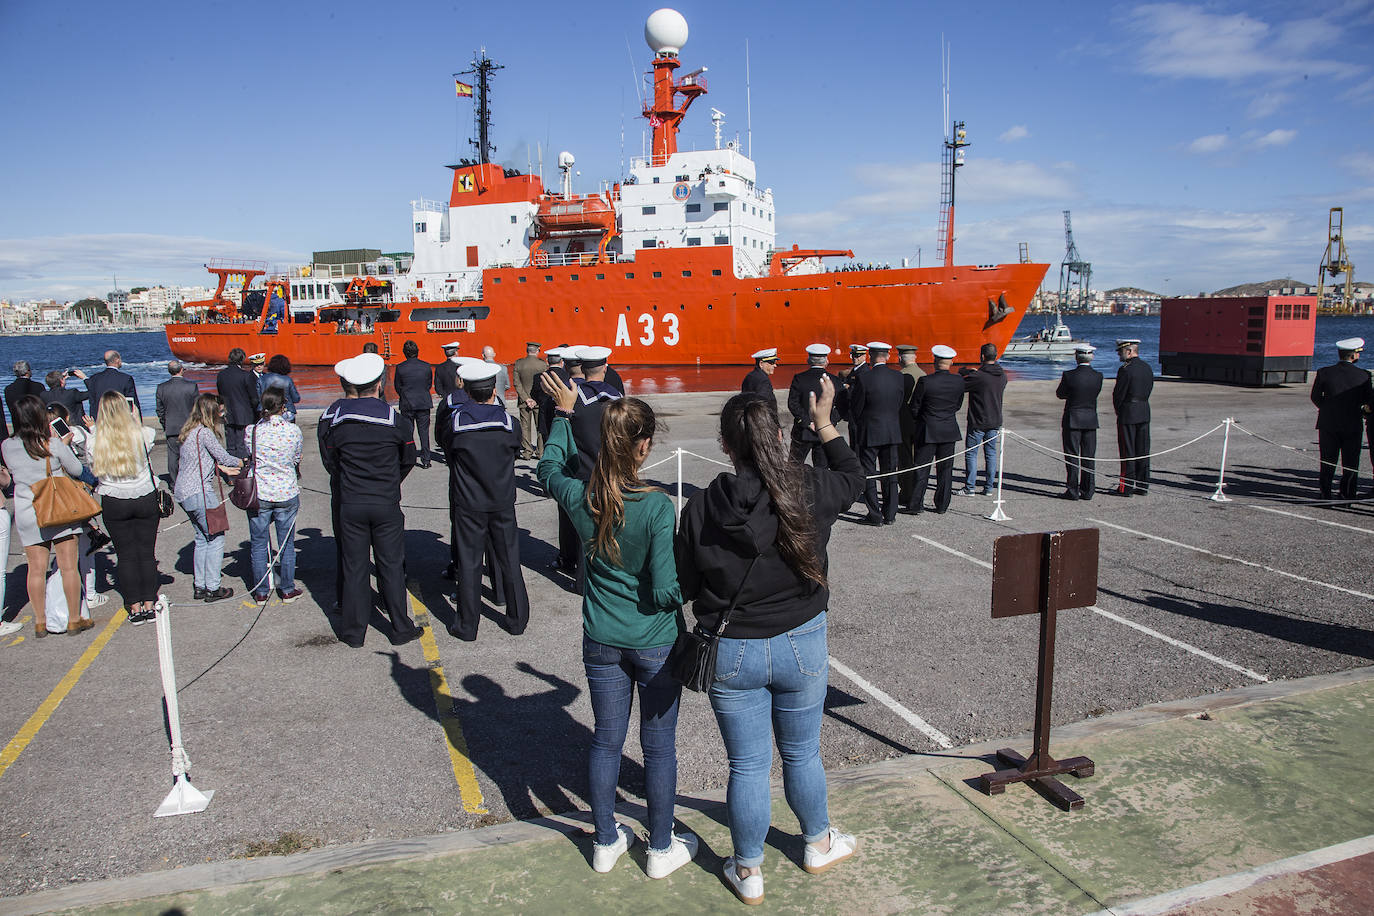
[543,402]
[371,448]
[592,400]
[935,404]
[175,398]
[804,384]
[238,388]
[1340,391]
[851,375]
[875,401]
[111,379]
[481,442]
[757,382]
[456,398]
[1131,393]
[411,380]
[985,386]
[1078,389]
[445,378]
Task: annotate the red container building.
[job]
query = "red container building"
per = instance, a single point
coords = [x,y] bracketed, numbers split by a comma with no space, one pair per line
[1251,340]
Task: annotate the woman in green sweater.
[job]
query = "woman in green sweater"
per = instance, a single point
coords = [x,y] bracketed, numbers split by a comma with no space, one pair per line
[631,615]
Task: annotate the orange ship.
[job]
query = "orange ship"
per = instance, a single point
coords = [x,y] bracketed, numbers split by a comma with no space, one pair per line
[677,265]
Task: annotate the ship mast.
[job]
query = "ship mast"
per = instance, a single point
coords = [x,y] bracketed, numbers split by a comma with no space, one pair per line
[951,158]
[481,68]
[666,33]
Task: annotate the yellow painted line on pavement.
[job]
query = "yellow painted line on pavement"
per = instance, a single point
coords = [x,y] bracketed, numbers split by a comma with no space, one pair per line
[45,710]
[463,771]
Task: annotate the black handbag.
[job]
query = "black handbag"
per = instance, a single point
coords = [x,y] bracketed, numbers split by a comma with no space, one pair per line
[692,660]
[165,504]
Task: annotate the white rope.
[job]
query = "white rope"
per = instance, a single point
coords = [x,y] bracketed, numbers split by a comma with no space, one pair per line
[928,464]
[1050,451]
[723,464]
[271,562]
[1290,448]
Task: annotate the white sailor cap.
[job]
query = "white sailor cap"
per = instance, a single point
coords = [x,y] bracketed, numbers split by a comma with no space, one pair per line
[1127,342]
[940,351]
[554,351]
[451,345]
[818,349]
[1350,343]
[361,370]
[572,353]
[593,356]
[857,348]
[461,361]
[1085,348]
[478,371]
[258,358]
[879,345]
[765,353]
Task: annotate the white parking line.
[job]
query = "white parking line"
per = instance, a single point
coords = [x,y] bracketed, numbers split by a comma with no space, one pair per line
[915,721]
[1250,563]
[1308,518]
[1176,643]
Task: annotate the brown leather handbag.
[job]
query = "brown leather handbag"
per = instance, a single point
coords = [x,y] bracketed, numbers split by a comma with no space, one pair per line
[61,501]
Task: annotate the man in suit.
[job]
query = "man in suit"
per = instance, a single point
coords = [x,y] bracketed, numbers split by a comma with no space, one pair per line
[446,373]
[858,355]
[985,387]
[22,386]
[805,440]
[175,398]
[1078,389]
[935,406]
[1131,399]
[111,379]
[503,380]
[71,398]
[876,400]
[1343,397]
[238,389]
[412,379]
[528,368]
[906,449]
[759,379]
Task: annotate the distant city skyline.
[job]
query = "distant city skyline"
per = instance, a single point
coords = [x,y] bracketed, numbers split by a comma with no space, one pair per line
[1198,146]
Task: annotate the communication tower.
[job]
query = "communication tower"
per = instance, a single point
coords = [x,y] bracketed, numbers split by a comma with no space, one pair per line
[482,68]
[1336,262]
[1075,274]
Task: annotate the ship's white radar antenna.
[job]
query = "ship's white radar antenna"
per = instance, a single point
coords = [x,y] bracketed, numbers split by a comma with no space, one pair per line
[717,119]
[666,32]
[565,164]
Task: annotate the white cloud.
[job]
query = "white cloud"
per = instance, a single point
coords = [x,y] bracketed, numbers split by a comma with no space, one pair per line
[1360,93]
[1266,104]
[1011,134]
[1276,138]
[1361,164]
[1212,143]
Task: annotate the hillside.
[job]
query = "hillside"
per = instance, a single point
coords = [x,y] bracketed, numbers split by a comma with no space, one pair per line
[1130,291]
[1261,289]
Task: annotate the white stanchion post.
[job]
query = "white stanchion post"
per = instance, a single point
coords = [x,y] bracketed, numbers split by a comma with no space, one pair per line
[679,483]
[1219,496]
[997,514]
[184,797]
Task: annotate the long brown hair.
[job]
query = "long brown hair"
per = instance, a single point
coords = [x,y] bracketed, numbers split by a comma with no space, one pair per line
[204,412]
[625,424]
[31,426]
[749,428]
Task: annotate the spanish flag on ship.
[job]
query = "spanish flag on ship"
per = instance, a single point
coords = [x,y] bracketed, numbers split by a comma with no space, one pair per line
[462,89]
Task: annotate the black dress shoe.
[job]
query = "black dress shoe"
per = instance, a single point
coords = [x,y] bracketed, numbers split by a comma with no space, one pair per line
[456,634]
[351,643]
[1067,495]
[889,521]
[199,594]
[424,465]
[1121,492]
[874,520]
[400,639]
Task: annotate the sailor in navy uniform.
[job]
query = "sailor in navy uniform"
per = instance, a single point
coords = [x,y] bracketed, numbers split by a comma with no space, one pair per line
[446,373]
[935,406]
[482,441]
[805,383]
[759,379]
[858,354]
[1131,398]
[321,429]
[371,447]
[1342,394]
[876,399]
[1078,389]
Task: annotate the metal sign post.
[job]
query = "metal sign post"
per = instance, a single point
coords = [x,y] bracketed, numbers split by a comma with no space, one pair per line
[1042,573]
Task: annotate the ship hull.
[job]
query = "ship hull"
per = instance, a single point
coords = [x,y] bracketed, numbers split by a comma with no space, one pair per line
[667,307]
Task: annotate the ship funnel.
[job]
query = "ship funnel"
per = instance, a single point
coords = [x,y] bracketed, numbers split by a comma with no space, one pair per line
[666,32]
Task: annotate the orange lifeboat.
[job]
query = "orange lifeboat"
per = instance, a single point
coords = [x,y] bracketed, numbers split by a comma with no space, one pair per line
[568,216]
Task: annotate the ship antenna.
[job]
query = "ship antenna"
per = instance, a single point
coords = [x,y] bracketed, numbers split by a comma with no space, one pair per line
[482,67]
[748,103]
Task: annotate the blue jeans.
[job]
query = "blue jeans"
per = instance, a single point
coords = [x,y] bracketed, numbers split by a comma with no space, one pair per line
[284,514]
[612,674]
[765,687]
[209,551]
[988,439]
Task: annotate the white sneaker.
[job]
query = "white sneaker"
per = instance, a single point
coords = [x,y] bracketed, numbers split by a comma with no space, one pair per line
[605,857]
[96,599]
[749,890]
[10,626]
[842,846]
[681,850]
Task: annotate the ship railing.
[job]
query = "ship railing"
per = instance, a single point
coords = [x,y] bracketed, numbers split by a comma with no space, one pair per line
[571,259]
[430,206]
[236,264]
[464,325]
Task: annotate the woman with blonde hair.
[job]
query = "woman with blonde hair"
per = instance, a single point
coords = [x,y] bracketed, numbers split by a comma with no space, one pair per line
[203,455]
[32,454]
[119,459]
[631,616]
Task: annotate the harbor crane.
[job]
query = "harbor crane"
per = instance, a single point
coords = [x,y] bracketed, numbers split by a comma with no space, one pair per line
[1075,274]
[1336,262]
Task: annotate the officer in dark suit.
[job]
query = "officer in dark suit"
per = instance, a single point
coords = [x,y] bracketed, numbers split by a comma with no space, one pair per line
[1078,389]
[111,379]
[545,405]
[371,447]
[876,400]
[759,379]
[411,379]
[1343,397]
[446,373]
[1131,398]
[805,383]
[22,386]
[175,398]
[935,406]
[858,355]
[71,398]
[906,450]
[321,429]
[238,389]
[482,441]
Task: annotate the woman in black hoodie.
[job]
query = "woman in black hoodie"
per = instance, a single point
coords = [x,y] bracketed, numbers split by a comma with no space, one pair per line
[757,538]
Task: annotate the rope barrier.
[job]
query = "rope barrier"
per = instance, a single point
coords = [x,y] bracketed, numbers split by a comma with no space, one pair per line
[1049,451]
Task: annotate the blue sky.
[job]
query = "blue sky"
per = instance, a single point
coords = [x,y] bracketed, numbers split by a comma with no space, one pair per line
[1197,145]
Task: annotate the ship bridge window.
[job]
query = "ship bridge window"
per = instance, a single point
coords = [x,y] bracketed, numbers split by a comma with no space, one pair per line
[721,205]
[419,227]
[722,240]
[693,241]
[512,219]
[655,179]
[694,208]
[648,211]
[684,178]
[649,243]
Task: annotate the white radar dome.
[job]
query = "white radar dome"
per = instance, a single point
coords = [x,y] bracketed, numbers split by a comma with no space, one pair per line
[666,31]
[566,160]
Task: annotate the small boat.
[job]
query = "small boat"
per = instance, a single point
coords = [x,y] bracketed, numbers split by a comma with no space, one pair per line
[1056,340]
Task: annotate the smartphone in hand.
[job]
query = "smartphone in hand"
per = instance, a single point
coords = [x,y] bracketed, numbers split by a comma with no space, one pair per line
[59,428]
